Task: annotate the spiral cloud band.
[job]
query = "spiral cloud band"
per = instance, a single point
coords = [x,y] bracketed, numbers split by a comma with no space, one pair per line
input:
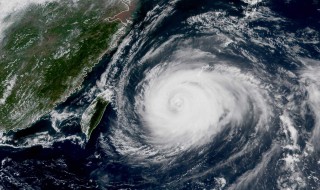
[197,95]
[189,103]
[211,101]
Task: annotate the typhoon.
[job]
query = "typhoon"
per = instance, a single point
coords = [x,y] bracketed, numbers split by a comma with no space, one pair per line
[201,95]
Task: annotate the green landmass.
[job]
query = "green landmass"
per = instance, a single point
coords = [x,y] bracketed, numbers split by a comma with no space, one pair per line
[97,113]
[46,54]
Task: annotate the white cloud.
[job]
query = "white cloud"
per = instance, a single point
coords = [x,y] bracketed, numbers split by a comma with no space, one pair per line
[13,7]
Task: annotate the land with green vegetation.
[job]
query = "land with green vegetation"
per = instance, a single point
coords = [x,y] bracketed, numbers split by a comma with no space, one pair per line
[93,115]
[47,52]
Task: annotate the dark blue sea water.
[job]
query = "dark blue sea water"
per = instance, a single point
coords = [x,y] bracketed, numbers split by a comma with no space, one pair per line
[204,95]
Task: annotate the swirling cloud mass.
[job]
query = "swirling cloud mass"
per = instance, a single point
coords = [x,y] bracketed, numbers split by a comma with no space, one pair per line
[205,95]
